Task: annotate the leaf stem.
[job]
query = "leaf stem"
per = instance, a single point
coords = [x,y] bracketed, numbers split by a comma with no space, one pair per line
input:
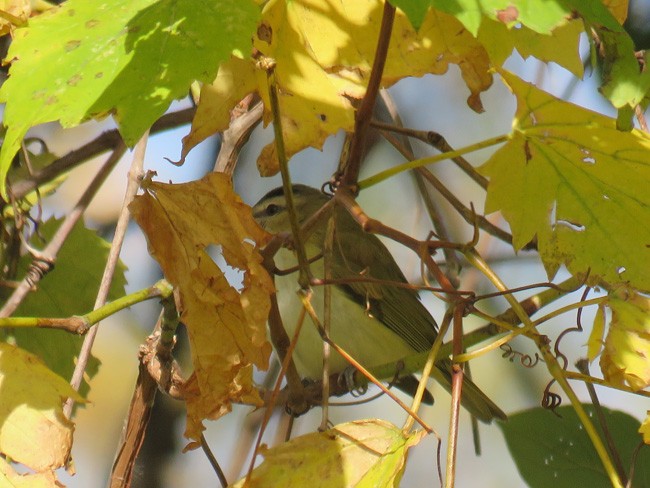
[79,324]
[383,175]
[304,274]
[432,355]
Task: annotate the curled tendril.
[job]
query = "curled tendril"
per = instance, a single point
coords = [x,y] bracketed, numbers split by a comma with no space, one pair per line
[37,270]
[526,360]
[551,401]
[347,379]
[578,328]
[329,187]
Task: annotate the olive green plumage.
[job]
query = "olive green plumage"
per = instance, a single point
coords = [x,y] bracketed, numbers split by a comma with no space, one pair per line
[374,322]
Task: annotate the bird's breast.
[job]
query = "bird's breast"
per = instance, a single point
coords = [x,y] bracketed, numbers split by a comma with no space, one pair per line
[352,328]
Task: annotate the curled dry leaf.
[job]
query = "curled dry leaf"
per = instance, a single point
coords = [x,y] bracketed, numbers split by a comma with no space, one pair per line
[226,325]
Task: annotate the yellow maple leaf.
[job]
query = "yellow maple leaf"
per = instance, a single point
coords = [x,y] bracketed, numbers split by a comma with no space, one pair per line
[645,429]
[595,343]
[626,355]
[33,430]
[569,177]
[618,8]
[322,62]
[560,47]
[235,79]
[363,453]
[226,325]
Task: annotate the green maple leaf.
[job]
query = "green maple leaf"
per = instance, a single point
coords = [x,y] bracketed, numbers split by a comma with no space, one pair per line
[539,15]
[131,58]
[69,289]
[570,178]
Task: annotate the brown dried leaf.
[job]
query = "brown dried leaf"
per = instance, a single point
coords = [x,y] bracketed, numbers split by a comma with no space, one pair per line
[12,479]
[226,325]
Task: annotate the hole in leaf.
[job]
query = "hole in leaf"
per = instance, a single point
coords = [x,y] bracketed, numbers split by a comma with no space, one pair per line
[571,225]
[235,276]
[587,156]
[620,270]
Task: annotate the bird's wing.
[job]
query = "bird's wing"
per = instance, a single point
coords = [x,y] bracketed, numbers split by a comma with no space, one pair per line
[389,304]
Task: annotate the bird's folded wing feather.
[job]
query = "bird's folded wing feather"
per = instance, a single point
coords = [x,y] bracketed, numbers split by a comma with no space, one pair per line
[397,307]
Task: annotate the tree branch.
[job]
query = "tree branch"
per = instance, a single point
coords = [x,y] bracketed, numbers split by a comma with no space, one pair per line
[350,174]
[48,256]
[135,174]
[104,142]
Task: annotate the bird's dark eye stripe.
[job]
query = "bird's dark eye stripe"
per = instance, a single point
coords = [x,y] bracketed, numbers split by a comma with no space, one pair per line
[272,209]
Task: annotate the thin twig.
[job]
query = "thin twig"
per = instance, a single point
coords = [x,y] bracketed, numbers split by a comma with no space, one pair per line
[327,310]
[235,137]
[437,158]
[213,462]
[583,367]
[440,143]
[304,274]
[106,141]
[467,214]
[80,324]
[571,375]
[456,394]
[451,258]
[640,116]
[135,173]
[56,243]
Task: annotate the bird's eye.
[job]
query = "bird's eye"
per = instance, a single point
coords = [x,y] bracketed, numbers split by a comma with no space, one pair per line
[272,209]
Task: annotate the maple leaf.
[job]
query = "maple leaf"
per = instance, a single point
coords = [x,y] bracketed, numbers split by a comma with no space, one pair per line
[226,325]
[626,355]
[645,429]
[569,177]
[131,58]
[322,64]
[354,454]
[561,46]
[34,430]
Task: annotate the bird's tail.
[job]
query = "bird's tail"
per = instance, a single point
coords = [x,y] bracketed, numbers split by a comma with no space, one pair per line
[473,399]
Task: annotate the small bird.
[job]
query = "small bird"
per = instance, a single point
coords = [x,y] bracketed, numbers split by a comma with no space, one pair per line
[375,323]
